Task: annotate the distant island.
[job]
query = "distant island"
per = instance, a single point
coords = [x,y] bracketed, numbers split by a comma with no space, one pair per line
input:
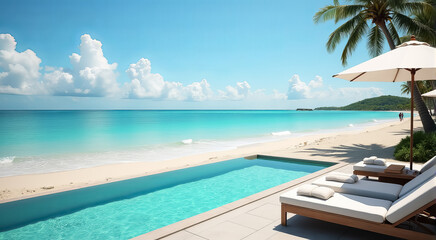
[304,109]
[382,103]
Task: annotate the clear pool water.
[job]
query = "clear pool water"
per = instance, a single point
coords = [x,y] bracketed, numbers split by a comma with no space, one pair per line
[162,199]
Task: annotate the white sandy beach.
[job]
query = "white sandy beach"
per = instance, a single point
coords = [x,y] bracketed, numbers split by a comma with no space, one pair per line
[348,146]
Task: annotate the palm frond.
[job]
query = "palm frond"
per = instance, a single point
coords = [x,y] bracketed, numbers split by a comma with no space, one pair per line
[363,2]
[342,31]
[375,41]
[346,11]
[394,34]
[405,88]
[324,14]
[353,40]
[414,7]
[411,26]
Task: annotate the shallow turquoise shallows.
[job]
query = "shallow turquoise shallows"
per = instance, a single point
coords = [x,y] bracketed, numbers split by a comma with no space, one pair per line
[48,141]
[129,208]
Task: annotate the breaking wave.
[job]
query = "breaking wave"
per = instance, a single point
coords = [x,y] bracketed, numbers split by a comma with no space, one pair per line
[6,160]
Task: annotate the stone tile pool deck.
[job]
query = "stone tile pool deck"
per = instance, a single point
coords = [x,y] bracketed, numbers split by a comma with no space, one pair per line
[251,219]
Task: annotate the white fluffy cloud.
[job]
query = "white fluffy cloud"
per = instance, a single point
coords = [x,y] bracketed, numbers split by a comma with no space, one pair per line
[239,92]
[93,75]
[145,84]
[299,89]
[314,89]
[316,83]
[19,71]
[58,82]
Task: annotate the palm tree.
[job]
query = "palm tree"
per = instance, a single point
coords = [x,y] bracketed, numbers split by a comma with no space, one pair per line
[430,21]
[423,87]
[384,17]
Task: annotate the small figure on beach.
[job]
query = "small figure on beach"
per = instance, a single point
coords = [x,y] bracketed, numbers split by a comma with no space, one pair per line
[401,116]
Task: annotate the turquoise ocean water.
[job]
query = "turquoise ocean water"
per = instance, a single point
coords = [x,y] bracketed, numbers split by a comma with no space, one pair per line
[47,141]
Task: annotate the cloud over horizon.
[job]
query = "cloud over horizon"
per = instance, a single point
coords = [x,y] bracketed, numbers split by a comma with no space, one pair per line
[20,73]
[299,89]
[92,75]
[145,84]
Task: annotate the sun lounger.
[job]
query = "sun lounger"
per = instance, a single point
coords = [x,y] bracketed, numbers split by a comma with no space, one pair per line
[371,214]
[361,168]
[373,189]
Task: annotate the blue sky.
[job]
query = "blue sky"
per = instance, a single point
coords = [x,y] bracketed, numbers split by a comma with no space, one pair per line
[191,54]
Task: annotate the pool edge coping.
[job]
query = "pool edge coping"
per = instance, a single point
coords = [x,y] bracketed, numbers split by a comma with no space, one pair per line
[203,217]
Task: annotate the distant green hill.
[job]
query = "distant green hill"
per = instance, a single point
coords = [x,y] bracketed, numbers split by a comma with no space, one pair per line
[382,103]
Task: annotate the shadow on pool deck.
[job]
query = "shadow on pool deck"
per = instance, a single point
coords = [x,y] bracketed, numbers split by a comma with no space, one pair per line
[309,228]
[354,153]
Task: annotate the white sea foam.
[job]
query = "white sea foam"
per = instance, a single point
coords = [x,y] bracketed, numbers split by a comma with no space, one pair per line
[187,141]
[350,125]
[150,153]
[283,133]
[374,120]
[6,160]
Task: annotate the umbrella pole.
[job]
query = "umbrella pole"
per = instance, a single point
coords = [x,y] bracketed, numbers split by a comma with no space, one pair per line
[412,89]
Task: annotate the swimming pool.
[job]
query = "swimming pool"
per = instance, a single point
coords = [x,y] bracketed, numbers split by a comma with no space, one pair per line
[125,209]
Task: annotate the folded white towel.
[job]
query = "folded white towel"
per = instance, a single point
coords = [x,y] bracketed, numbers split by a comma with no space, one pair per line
[341,177]
[315,191]
[380,161]
[374,161]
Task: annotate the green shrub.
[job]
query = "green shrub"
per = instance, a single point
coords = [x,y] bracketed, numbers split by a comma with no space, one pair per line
[424,147]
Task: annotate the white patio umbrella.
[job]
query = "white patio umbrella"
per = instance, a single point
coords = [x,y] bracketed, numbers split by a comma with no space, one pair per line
[410,61]
[431,94]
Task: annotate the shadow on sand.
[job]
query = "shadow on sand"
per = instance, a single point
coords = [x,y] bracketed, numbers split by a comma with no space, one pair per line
[353,153]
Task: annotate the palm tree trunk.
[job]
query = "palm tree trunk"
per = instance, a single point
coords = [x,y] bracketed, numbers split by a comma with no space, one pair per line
[427,122]
[388,36]
[433,84]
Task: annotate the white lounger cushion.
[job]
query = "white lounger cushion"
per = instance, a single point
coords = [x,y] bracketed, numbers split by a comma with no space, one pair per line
[370,209]
[427,165]
[418,180]
[380,190]
[412,201]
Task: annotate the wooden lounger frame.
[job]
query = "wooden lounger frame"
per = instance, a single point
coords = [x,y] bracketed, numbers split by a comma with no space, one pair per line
[383,228]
